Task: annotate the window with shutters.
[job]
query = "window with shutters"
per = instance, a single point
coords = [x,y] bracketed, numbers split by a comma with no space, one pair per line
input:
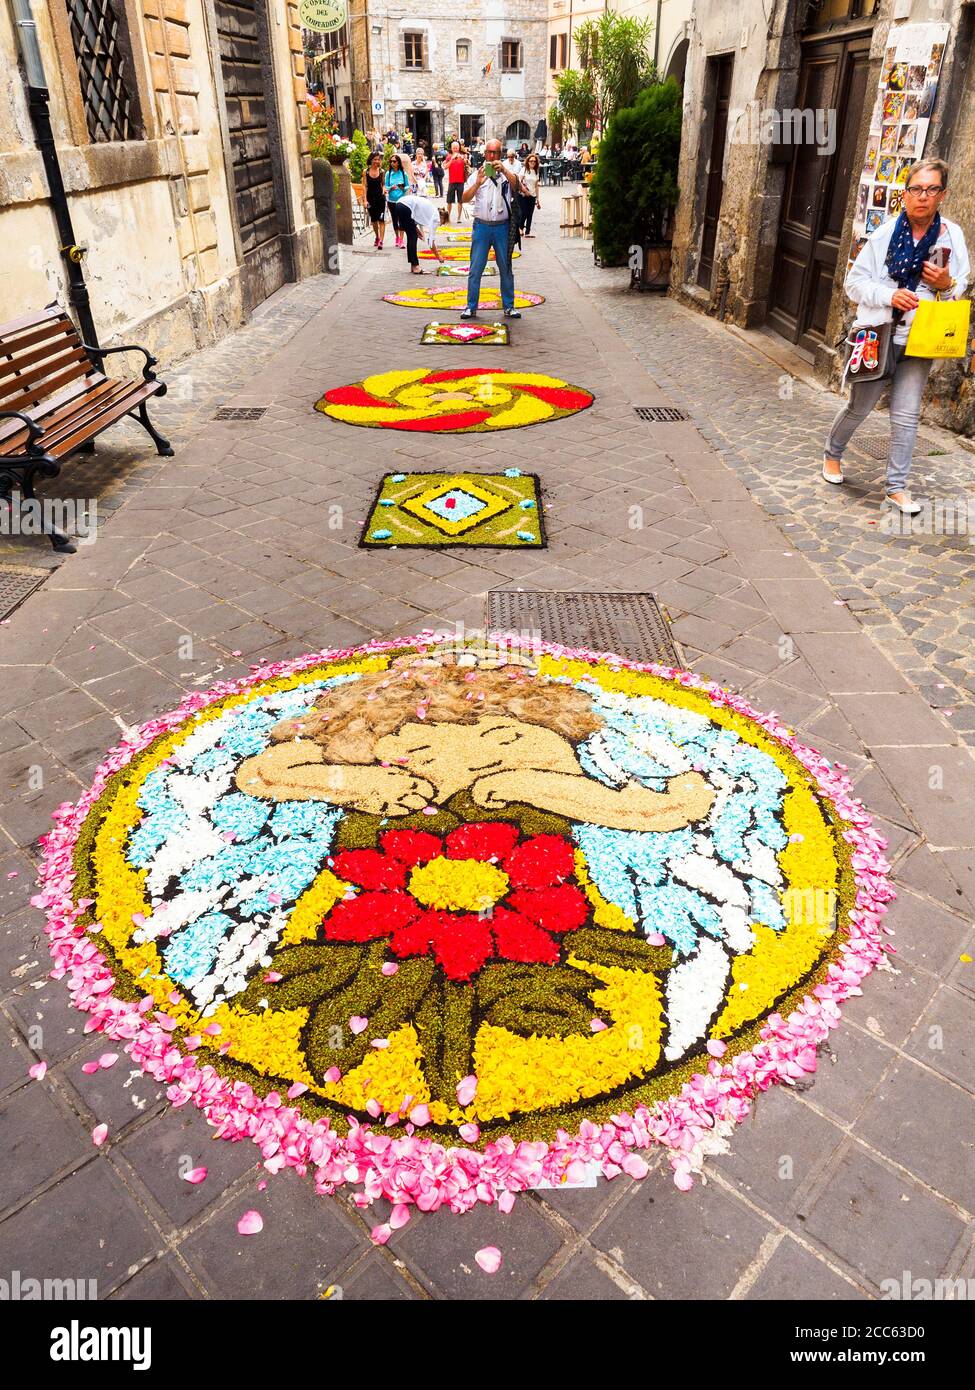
[511,55]
[557,46]
[414,49]
[101,44]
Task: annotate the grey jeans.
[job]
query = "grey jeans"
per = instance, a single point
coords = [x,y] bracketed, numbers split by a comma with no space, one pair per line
[906,390]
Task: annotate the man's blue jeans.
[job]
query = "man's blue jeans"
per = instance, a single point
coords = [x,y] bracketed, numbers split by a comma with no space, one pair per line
[483,237]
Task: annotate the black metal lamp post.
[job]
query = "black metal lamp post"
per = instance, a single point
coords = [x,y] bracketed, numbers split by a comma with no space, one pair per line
[38,98]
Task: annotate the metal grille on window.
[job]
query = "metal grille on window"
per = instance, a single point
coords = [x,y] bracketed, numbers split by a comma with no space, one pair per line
[101,49]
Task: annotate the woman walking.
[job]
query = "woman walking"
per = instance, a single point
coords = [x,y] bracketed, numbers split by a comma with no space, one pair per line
[397,184]
[911,257]
[528,198]
[376,198]
[437,172]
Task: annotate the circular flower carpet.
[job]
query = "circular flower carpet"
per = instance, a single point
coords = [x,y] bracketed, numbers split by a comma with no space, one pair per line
[447,298]
[459,252]
[449,922]
[454,402]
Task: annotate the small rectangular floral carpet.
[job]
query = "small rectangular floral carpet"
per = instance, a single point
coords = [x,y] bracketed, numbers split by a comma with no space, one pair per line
[458,334]
[435,509]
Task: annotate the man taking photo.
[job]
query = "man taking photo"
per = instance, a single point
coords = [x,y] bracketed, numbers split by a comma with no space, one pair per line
[493,191]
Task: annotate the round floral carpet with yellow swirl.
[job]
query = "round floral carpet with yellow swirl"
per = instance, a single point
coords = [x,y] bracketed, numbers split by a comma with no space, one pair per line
[459,401]
[452,920]
[433,297]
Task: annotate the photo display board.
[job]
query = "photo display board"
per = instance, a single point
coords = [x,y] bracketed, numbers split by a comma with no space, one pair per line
[899,124]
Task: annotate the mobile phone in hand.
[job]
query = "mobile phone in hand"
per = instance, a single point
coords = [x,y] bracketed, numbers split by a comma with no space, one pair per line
[940,257]
[489,169]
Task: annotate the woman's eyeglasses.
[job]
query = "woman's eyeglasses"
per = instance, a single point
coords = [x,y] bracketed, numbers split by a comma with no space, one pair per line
[930,192]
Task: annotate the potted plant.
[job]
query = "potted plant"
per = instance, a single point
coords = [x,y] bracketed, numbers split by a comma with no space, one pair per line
[324,139]
[634,186]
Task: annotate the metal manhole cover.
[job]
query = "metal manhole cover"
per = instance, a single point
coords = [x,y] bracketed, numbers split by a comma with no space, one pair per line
[15,586]
[631,625]
[244,412]
[877,446]
[660,414]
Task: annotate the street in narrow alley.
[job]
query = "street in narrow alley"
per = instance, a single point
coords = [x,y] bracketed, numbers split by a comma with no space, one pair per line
[242,552]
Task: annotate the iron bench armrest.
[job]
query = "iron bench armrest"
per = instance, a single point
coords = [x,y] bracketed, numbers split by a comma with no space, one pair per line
[147,373]
[34,431]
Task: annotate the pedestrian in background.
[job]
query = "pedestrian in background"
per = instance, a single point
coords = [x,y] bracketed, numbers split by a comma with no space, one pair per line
[376,198]
[437,174]
[917,255]
[420,219]
[528,192]
[397,185]
[493,191]
[457,172]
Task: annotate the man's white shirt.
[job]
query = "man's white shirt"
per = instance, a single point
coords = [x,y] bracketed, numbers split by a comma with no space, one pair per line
[489,203]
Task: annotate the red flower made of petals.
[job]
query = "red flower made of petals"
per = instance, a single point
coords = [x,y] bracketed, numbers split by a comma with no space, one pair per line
[523,925]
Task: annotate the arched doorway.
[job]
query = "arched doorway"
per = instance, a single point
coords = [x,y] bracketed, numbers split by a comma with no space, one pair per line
[516,132]
[678,63]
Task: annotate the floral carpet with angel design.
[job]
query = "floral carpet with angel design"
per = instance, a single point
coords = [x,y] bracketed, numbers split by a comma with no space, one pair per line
[446,921]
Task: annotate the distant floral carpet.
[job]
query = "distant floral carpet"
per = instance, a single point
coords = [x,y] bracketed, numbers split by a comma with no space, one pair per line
[439,299]
[467,509]
[447,922]
[459,401]
[452,334]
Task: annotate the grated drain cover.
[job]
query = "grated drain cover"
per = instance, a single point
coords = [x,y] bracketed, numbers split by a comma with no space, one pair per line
[630,625]
[877,446]
[660,414]
[15,586]
[240,412]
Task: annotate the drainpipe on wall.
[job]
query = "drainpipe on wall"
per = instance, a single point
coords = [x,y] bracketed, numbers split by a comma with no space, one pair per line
[656,33]
[38,98]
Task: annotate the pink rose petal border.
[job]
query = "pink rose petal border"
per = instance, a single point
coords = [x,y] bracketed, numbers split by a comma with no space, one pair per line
[415,1170]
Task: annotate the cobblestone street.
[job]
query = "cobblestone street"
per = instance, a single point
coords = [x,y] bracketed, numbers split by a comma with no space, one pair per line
[246,542]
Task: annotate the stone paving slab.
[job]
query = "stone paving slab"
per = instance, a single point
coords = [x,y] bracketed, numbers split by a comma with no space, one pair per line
[244,547]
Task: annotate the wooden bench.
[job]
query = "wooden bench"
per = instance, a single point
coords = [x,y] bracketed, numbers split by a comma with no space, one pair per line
[54,400]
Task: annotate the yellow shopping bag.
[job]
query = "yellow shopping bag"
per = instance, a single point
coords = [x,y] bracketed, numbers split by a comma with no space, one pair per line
[939,329]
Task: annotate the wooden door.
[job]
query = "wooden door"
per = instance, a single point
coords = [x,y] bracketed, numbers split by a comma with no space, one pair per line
[248,82]
[720,84]
[833,77]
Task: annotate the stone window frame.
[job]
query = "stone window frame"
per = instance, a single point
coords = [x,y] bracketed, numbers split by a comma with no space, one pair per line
[140,94]
[463,62]
[520,65]
[424,64]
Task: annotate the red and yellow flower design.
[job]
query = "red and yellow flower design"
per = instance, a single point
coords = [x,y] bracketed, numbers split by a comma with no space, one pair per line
[454,402]
[449,298]
[482,892]
[460,252]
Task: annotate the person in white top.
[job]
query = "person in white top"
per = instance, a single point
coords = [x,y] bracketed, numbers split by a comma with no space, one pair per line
[513,163]
[493,190]
[420,219]
[916,255]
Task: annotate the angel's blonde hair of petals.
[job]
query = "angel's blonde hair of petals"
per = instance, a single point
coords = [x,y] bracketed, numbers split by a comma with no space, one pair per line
[347,721]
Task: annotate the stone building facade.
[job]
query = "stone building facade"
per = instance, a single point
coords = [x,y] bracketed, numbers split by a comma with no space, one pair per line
[668,42]
[764,224]
[437,73]
[182,137]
